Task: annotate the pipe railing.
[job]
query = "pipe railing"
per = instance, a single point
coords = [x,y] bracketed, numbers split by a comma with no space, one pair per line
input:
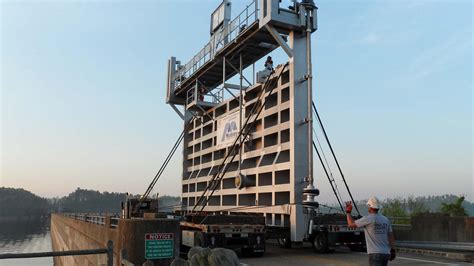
[109,250]
[218,41]
[94,219]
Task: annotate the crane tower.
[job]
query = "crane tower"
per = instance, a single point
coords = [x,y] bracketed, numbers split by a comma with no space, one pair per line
[247,146]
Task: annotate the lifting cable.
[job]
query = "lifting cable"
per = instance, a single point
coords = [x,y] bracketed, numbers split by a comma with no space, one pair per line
[331,179]
[334,156]
[167,160]
[240,139]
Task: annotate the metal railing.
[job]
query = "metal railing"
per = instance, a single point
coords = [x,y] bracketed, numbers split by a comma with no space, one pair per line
[94,219]
[114,222]
[109,251]
[218,41]
[461,246]
[215,96]
[400,221]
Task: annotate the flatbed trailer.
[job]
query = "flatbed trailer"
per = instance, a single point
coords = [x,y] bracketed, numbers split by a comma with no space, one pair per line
[237,232]
[328,231]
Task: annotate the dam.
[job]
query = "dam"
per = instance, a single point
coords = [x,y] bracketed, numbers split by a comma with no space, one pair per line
[130,237]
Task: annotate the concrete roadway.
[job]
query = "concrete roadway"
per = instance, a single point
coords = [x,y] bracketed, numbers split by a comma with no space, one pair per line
[304,256]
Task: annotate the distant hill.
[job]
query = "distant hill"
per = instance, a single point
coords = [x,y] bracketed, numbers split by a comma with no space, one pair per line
[84,200]
[19,203]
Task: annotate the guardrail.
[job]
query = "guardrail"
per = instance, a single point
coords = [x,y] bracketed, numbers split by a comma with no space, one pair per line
[109,251]
[94,219]
[403,221]
[460,246]
[114,222]
[218,41]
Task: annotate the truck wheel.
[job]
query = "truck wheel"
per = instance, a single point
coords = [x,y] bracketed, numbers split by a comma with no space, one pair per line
[320,243]
[284,240]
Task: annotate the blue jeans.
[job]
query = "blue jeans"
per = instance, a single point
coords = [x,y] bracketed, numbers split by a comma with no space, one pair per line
[378,259]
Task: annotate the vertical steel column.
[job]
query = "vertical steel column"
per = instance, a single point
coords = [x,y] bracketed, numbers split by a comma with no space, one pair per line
[253,73]
[299,133]
[309,77]
[240,113]
[196,91]
[223,72]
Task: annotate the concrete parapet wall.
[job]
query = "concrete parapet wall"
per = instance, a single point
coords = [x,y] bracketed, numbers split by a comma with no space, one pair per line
[437,227]
[71,234]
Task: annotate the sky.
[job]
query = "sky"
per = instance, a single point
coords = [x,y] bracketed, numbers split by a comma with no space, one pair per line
[83,93]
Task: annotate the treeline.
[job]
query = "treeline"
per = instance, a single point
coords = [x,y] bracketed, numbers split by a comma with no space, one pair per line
[410,206]
[446,204]
[20,203]
[84,200]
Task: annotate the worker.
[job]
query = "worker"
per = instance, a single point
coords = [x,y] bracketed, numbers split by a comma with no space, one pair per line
[201,93]
[378,233]
[269,63]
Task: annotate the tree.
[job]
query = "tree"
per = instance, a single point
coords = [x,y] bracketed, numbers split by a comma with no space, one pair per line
[455,208]
[17,202]
[415,206]
[394,208]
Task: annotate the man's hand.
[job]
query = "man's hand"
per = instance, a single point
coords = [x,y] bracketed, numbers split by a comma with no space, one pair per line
[348,207]
[393,255]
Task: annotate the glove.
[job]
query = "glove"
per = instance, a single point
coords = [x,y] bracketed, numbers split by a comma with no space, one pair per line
[392,254]
[348,207]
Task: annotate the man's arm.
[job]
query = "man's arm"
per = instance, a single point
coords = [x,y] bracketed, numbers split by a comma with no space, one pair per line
[391,239]
[350,221]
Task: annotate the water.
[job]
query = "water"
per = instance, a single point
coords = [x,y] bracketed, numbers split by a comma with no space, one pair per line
[23,237]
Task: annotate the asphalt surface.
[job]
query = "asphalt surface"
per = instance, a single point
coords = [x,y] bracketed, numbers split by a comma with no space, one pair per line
[302,256]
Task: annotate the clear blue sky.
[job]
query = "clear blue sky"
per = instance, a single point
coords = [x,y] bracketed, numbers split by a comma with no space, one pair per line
[82,93]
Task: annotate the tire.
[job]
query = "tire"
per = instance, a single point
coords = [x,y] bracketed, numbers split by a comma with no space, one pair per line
[284,240]
[320,243]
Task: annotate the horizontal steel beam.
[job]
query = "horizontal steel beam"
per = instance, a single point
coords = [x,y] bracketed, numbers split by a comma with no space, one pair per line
[53,254]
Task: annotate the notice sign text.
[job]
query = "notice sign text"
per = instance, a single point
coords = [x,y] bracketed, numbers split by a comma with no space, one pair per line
[159,246]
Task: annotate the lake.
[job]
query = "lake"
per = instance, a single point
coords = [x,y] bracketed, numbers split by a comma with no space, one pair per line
[25,236]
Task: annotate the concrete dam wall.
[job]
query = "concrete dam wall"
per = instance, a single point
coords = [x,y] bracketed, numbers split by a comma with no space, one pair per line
[131,237]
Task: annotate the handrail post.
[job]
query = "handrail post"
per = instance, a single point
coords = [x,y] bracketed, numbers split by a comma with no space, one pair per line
[256,9]
[110,253]
[107,221]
